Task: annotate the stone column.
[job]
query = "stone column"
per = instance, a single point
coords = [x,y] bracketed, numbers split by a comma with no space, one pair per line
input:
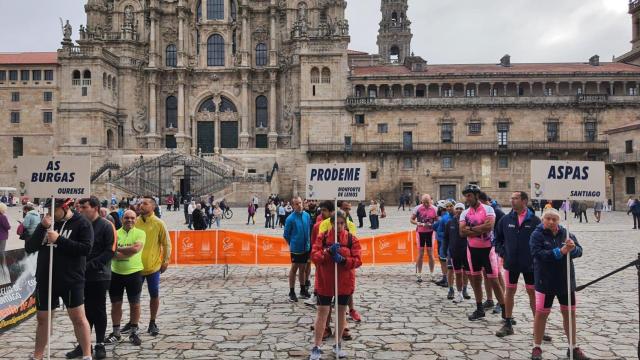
[153,138]
[244,50]
[180,36]
[504,86]
[244,135]
[426,90]
[216,140]
[273,129]
[273,53]
[152,41]
[181,137]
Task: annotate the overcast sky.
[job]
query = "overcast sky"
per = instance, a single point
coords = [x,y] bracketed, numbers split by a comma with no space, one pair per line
[453,31]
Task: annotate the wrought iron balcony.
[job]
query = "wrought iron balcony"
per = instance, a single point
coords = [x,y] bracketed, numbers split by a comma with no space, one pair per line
[624,158]
[399,147]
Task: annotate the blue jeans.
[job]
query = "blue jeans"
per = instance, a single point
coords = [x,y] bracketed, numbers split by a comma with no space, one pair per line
[217,221]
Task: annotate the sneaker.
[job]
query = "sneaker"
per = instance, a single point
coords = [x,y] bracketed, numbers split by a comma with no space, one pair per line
[337,349]
[465,294]
[153,329]
[135,339]
[488,305]
[304,293]
[536,353]
[312,301]
[113,339]
[477,315]
[126,329]
[443,283]
[451,294]
[506,330]
[316,353]
[33,357]
[346,335]
[497,309]
[459,299]
[418,278]
[578,354]
[355,315]
[513,321]
[75,353]
[546,338]
[99,352]
[293,297]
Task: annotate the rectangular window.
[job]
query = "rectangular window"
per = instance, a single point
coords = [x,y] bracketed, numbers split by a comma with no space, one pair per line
[383,128]
[633,91]
[447,133]
[3,75]
[15,96]
[420,92]
[628,146]
[15,117]
[503,162]
[215,9]
[347,143]
[552,131]
[13,75]
[84,91]
[590,131]
[83,141]
[24,75]
[407,163]
[447,93]
[36,75]
[471,92]
[374,175]
[360,119]
[47,117]
[503,134]
[579,91]
[17,147]
[503,184]
[373,93]
[170,142]
[48,75]
[48,96]
[262,142]
[475,128]
[548,92]
[447,162]
[493,92]
[630,185]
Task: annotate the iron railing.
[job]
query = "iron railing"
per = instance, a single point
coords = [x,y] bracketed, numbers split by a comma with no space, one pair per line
[622,158]
[391,147]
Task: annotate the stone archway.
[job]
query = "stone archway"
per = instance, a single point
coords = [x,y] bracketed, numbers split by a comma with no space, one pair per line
[217,125]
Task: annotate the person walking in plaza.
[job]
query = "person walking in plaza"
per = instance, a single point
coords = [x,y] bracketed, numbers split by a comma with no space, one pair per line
[217,215]
[326,253]
[4,230]
[251,213]
[476,224]
[456,246]
[598,207]
[582,210]
[401,201]
[97,275]
[424,217]
[361,212]
[566,206]
[73,236]
[190,209]
[550,245]
[298,237]
[198,218]
[282,214]
[155,256]
[126,274]
[30,221]
[634,210]
[374,212]
[169,202]
[273,214]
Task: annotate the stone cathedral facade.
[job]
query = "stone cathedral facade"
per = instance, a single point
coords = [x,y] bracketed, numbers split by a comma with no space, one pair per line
[259,88]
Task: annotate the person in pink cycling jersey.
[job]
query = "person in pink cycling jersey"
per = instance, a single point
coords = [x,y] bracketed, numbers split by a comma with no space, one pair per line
[424,216]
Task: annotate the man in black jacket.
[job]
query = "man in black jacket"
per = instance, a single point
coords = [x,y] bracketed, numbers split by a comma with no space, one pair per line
[98,274]
[72,237]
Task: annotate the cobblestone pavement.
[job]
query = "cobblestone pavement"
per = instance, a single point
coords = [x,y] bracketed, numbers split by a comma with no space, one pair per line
[247,316]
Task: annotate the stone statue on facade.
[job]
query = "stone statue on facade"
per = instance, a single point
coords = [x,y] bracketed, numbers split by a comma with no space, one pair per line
[66,32]
[128,16]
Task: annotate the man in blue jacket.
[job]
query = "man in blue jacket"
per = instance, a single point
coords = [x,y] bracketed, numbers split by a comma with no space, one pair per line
[297,234]
[550,245]
[512,236]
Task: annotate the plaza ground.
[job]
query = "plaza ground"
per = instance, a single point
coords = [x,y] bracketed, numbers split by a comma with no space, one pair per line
[247,316]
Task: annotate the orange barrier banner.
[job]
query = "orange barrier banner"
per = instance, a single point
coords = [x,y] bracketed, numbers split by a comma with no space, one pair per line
[225,247]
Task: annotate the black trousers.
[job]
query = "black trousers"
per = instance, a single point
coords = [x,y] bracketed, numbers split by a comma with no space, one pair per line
[95,306]
[636,221]
[360,222]
[585,216]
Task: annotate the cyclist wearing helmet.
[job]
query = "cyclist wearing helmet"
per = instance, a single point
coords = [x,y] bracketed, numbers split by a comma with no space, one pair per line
[476,224]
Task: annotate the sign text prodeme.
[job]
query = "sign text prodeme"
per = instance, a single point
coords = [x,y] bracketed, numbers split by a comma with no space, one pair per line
[574,180]
[336,181]
[58,176]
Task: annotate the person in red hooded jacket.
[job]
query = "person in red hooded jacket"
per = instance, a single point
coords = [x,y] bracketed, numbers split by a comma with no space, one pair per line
[326,252]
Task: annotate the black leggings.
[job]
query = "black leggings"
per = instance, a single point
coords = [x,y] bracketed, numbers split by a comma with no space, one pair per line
[95,307]
[636,221]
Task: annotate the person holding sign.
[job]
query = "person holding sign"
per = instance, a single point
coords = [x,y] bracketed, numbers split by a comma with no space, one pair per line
[326,252]
[424,217]
[550,245]
[72,236]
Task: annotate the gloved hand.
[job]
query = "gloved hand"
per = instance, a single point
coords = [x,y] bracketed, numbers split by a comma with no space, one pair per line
[337,258]
[333,249]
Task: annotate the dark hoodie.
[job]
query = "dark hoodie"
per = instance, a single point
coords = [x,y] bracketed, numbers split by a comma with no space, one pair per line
[69,255]
[550,266]
[512,241]
[104,246]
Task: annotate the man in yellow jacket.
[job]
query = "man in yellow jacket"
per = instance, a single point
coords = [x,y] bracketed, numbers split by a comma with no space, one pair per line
[155,255]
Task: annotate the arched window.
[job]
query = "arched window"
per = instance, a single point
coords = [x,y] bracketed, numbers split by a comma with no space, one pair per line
[113,84]
[171,107]
[87,74]
[215,50]
[199,11]
[326,75]
[76,75]
[104,80]
[227,105]
[261,54]
[394,54]
[262,112]
[215,9]
[394,16]
[109,139]
[234,10]
[207,105]
[109,81]
[315,75]
[172,56]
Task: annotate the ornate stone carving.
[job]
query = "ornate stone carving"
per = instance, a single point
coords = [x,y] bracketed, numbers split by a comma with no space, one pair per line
[67,31]
[140,121]
[128,16]
[261,33]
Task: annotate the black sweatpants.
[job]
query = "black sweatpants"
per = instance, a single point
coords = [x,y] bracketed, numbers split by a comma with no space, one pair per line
[95,307]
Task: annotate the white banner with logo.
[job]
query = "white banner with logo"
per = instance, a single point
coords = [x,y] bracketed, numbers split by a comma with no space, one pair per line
[336,181]
[573,180]
[57,176]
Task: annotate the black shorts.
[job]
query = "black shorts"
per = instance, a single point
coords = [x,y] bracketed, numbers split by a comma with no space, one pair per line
[300,258]
[343,300]
[511,279]
[460,264]
[426,239]
[544,301]
[72,297]
[132,283]
[483,259]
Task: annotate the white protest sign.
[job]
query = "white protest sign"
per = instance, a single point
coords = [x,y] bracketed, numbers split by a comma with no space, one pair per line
[336,181]
[57,176]
[573,180]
